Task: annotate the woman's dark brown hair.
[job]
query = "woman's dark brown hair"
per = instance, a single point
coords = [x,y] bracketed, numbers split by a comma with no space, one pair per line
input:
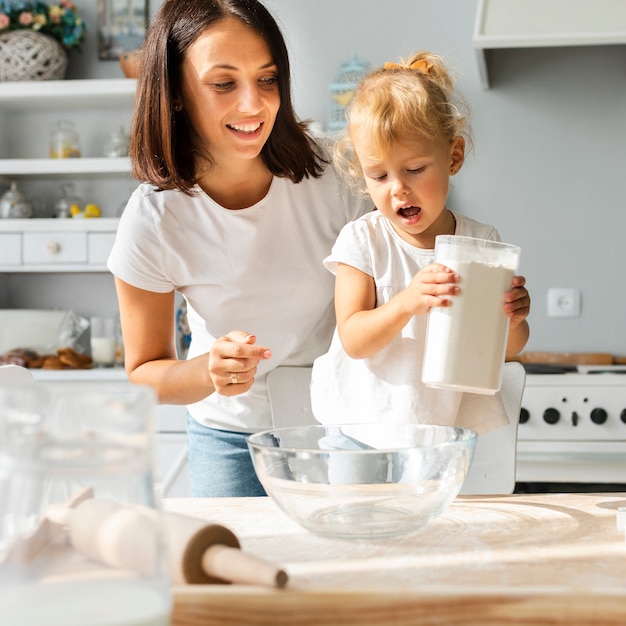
[164,147]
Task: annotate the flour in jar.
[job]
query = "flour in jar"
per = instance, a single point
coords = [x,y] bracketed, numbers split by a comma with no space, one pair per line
[466,342]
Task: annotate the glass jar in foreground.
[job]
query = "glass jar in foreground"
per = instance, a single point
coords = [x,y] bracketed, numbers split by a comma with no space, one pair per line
[81,540]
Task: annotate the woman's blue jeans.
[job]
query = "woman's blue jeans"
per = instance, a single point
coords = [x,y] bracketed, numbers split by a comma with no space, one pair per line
[220,463]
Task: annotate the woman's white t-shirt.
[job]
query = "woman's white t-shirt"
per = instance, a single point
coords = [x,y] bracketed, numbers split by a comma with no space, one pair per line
[257,269]
[387,387]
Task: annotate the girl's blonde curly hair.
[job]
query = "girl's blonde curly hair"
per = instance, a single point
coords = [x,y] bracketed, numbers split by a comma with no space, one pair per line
[398,103]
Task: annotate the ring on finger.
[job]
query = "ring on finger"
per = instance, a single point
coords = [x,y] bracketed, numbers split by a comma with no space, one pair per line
[234,378]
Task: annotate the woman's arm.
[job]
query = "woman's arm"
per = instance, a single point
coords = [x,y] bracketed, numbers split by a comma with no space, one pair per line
[148,328]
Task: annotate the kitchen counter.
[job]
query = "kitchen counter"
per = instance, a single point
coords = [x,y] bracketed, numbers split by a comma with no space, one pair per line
[519,559]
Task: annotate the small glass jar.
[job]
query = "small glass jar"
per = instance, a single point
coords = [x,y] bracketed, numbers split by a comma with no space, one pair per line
[117,144]
[63,206]
[13,203]
[64,143]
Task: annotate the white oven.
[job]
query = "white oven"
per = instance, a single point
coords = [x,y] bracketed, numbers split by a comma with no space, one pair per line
[572,431]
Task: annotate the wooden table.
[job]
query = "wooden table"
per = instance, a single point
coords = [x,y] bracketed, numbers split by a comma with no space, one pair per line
[521,559]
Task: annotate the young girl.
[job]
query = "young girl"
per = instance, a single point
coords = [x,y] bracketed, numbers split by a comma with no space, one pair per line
[406,135]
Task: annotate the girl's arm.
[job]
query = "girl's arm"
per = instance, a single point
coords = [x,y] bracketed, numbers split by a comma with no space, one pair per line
[517,307]
[365,329]
[148,328]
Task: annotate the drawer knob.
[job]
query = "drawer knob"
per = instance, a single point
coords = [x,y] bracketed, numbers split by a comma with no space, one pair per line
[54,247]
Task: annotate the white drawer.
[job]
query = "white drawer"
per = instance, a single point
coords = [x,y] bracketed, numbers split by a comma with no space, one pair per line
[99,246]
[10,249]
[55,247]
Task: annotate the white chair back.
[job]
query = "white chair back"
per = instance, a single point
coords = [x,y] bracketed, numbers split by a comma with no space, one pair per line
[493,467]
[15,375]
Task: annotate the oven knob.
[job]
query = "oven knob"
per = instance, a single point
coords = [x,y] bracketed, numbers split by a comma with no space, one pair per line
[551,416]
[599,416]
[622,416]
[524,415]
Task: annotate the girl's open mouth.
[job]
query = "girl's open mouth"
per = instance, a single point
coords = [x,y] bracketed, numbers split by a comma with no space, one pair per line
[409,212]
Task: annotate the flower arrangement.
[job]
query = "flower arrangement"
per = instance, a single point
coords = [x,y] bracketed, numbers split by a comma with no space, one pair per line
[59,20]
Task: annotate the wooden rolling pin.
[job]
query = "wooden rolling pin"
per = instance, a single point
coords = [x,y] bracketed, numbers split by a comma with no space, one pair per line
[125,536]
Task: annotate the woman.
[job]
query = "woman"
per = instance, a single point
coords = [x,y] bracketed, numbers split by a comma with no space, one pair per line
[237,209]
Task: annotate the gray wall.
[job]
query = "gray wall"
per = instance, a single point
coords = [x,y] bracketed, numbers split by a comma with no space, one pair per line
[549,165]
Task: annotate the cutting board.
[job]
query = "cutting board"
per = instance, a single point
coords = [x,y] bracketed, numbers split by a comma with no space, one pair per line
[540,559]
[566,358]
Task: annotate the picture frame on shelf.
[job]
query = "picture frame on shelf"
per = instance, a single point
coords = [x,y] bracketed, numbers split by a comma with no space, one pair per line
[122,26]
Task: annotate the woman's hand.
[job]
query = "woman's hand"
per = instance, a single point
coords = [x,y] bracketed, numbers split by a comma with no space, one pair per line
[233,362]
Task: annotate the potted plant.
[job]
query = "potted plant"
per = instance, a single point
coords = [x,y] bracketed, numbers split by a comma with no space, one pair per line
[35,38]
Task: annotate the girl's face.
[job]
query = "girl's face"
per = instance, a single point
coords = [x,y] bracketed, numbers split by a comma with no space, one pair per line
[230,91]
[409,186]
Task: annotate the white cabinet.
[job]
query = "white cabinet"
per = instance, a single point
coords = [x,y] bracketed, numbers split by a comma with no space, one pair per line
[29,112]
[10,250]
[545,23]
[50,245]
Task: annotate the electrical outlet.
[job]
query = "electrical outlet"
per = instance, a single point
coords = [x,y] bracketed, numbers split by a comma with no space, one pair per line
[563,303]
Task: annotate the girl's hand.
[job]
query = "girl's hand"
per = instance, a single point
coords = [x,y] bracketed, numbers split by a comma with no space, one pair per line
[431,287]
[517,301]
[233,361]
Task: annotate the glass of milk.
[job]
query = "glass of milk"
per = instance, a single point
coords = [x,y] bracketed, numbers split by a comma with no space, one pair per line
[103,341]
[64,448]
[466,342]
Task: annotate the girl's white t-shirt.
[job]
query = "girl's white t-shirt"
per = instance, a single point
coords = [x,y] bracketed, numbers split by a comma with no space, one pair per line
[257,269]
[387,387]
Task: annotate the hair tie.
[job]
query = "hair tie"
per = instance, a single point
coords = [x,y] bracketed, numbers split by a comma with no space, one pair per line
[422,66]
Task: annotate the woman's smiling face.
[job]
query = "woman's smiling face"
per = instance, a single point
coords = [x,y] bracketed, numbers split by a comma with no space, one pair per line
[230,90]
[410,184]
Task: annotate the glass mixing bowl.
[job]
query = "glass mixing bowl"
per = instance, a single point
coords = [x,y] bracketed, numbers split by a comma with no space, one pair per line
[363,480]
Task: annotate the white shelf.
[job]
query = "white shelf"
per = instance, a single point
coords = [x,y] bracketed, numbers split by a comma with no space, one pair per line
[46,96]
[99,374]
[64,167]
[51,225]
[68,94]
[545,23]
[64,95]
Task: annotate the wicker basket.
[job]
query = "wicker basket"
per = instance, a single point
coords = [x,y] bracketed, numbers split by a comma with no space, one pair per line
[27,55]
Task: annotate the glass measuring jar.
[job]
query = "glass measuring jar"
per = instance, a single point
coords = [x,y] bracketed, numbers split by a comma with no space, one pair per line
[75,470]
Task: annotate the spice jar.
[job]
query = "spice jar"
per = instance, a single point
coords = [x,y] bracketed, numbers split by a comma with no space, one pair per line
[64,143]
